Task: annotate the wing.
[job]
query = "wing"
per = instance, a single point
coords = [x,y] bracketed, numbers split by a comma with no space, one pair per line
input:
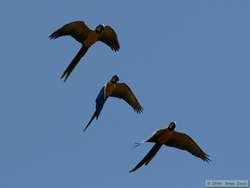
[110,38]
[78,30]
[148,157]
[185,142]
[100,100]
[122,91]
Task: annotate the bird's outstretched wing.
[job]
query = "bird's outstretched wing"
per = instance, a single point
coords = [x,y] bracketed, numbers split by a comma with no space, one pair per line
[184,142]
[110,38]
[78,30]
[123,91]
[147,157]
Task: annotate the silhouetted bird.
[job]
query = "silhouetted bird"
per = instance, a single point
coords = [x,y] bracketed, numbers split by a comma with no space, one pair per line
[118,90]
[87,37]
[171,138]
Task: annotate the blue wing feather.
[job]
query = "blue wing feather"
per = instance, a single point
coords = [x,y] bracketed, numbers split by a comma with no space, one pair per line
[100,100]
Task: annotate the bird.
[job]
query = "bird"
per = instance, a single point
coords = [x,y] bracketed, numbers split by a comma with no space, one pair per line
[169,137]
[87,37]
[118,90]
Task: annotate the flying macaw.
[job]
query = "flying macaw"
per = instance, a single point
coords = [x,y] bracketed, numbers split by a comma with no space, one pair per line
[170,137]
[115,89]
[87,37]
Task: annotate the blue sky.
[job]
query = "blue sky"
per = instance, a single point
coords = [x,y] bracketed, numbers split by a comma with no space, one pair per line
[185,60]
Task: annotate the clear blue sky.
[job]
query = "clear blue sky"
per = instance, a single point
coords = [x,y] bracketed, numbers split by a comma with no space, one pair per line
[187,61]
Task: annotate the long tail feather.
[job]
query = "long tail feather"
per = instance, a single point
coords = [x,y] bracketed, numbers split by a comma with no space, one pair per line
[92,118]
[148,157]
[74,62]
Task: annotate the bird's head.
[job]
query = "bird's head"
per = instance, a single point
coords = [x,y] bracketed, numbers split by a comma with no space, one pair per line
[99,28]
[115,79]
[172,126]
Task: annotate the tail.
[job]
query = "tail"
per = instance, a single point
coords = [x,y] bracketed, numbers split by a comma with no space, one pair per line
[92,118]
[156,149]
[148,157]
[74,62]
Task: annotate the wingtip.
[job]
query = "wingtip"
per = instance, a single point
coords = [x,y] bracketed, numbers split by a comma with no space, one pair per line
[52,37]
[116,49]
[139,111]
[207,159]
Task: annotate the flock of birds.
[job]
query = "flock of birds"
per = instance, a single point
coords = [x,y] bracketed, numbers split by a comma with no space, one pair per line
[106,34]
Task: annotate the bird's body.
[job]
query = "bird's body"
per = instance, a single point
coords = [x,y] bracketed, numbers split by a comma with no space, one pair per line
[118,90]
[109,88]
[87,37]
[164,136]
[91,39]
[171,138]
